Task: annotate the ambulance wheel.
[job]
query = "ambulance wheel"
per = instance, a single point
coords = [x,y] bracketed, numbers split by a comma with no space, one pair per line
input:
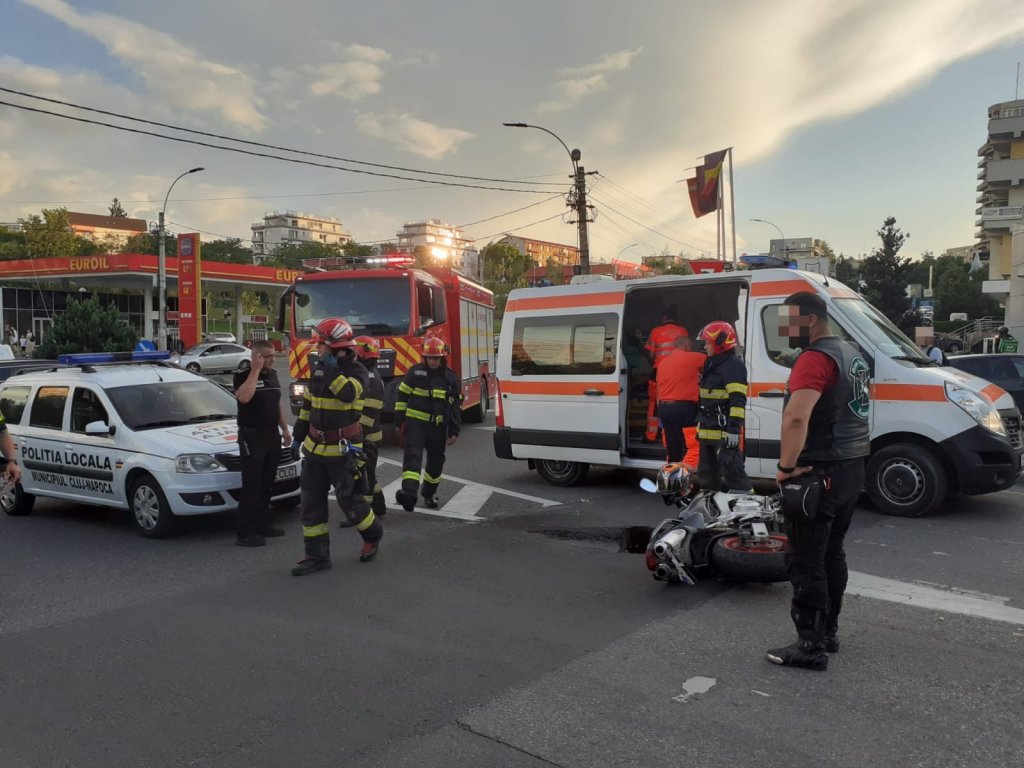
[15,501]
[193,368]
[150,511]
[562,472]
[905,480]
[765,564]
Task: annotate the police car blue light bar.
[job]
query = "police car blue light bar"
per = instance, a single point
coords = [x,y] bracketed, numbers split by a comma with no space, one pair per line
[92,358]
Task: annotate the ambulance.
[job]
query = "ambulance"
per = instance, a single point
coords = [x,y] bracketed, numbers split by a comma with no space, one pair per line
[572,379]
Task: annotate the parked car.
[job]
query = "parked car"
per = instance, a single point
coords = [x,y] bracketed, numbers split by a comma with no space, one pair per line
[10,368]
[951,345]
[1003,370]
[220,336]
[212,357]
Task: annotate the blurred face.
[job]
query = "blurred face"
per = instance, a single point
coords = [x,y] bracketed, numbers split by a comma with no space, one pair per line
[433,363]
[796,327]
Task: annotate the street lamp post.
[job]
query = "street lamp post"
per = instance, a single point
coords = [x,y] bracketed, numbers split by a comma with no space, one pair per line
[785,245]
[161,270]
[580,177]
[626,249]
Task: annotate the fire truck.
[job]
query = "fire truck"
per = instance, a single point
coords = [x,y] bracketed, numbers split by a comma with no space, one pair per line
[399,306]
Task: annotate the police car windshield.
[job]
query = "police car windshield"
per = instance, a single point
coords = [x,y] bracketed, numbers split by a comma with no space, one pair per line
[374,305]
[171,403]
[879,330]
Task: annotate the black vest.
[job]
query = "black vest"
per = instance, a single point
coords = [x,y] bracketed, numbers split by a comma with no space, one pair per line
[840,428]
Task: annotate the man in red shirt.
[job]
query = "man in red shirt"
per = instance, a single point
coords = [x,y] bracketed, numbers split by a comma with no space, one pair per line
[659,346]
[825,432]
[678,394]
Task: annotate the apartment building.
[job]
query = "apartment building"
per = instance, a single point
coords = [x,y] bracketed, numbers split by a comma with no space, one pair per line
[294,227]
[107,230]
[1001,209]
[446,243]
[543,253]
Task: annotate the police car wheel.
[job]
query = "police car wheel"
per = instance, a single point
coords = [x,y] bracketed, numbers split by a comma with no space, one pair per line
[562,473]
[192,368]
[15,501]
[905,480]
[149,508]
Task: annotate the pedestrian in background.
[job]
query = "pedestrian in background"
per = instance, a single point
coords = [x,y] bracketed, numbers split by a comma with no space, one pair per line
[262,430]
[1005,342]
[678,395]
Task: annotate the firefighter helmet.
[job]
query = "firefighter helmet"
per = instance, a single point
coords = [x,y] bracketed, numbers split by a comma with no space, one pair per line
[335,332]
[674,479]
[434,347]
[367,347]
[719,336]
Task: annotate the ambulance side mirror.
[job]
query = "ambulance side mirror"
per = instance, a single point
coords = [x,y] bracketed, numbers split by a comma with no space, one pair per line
[99,429]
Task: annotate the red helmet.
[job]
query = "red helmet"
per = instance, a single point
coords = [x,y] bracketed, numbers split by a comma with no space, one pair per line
[434,347]
[335,332]
[367,347]
[719,335]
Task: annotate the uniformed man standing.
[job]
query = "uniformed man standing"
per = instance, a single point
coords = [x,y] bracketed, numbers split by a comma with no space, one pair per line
[331,437]
[262,429]
[12,472]
[659,346]
[429,410]
[368,351]
[723,402]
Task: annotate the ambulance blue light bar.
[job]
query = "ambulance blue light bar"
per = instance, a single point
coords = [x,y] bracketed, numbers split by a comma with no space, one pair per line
[93,358]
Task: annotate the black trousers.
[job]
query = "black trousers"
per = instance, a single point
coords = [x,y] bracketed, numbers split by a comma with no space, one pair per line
[319,477]
[260,451]
[421,437]
[721,468]
[674,416]
[816,560]
[374,495]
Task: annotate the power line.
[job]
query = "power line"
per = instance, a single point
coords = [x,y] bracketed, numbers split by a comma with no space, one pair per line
[261,144]
[516,229]
[265,154]
[509,213]
[650,229]
[642,213]
[628,233]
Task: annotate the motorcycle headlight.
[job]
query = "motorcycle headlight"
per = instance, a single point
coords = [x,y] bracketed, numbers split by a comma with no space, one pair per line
[194,463]
[977,407]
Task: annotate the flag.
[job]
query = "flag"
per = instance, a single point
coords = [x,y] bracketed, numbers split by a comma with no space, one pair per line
[712,172]
[696,202]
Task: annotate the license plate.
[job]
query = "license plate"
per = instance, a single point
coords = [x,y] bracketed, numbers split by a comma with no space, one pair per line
[285,473]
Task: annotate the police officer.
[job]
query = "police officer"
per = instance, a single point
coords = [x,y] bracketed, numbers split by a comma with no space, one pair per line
[825,431]
[722,410]
[659,345]
[429,410]
[331,438]
[260,417]
[368,351]
[12,472]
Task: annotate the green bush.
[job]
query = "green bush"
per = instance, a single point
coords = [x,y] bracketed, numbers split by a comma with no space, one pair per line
[87,327]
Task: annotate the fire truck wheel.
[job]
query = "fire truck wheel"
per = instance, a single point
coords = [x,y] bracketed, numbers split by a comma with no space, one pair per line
[562,472]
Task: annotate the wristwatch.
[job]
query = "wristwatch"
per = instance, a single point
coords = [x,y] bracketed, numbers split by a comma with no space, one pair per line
[787,470]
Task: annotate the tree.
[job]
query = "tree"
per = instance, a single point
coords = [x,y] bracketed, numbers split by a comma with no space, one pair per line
[504,265]
[828,253]
[86,326]
[848,271]
[884,272]
[12,245]
[292,255]
[230,250]
[116,209]
[957,291]
[669,265]
[50,234]
[150,244]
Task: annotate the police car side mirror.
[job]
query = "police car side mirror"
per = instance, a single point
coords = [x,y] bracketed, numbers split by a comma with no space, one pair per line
[99,429]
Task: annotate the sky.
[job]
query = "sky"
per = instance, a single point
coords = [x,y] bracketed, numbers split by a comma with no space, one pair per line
[839,114]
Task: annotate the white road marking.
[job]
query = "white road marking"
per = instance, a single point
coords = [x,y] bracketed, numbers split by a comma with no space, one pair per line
[492,488]
[695,686]
[975,604]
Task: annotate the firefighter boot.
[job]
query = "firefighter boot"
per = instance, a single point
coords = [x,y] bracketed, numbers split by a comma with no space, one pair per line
[809,651]
[407,500]
[318,556]
[378,505]
[430,502]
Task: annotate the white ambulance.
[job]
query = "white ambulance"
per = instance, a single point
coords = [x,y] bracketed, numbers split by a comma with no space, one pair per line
[572,377]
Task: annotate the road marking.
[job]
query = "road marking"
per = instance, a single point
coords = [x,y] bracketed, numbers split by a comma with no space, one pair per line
[975,604]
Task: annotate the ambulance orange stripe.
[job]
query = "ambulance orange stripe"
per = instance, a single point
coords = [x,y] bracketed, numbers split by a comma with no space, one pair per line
[756,388]
[566,302]
[556,387]
[780,288]
[917,393]
[993,392]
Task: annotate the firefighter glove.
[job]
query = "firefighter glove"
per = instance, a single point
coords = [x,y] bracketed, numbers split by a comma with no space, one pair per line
[732,440]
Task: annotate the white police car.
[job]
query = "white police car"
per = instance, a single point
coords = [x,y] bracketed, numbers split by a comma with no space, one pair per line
[127,430]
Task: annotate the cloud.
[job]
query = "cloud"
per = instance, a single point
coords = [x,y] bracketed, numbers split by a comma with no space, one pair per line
[580,82]
[357,77]
[172,70]
[412,134]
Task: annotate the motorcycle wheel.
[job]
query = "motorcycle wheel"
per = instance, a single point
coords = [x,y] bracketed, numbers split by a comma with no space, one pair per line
[731,559]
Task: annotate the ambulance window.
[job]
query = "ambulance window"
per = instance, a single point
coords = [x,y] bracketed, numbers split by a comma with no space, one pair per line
[48,408]
[580,345]
[85,409]
[12,403]
[777,346]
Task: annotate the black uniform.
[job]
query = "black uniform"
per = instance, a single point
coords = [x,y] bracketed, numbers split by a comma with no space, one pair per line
[330,414]
[430,402]
[259,446]
[838,440]
[373,404]
[722,410]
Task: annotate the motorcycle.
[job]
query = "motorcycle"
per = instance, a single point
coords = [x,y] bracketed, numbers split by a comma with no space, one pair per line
[736,536]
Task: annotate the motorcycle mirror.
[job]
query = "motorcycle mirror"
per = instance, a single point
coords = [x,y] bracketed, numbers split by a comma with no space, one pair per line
[648,485]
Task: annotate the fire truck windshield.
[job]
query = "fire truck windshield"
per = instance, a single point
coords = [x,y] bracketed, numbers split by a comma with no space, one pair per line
[379,306]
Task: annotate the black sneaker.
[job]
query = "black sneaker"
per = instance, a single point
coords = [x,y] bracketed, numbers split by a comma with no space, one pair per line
[803,653]
[270,533]
[430,502]
[250,540]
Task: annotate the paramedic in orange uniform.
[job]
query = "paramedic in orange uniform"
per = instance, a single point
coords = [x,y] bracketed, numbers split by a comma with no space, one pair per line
[678,395]
[659,346]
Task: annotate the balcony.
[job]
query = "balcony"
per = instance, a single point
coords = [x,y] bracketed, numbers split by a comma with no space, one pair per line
[1006,119]
[1005,213]
[1006,171]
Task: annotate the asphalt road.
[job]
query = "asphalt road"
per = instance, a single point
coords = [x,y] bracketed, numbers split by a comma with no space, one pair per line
[514,633]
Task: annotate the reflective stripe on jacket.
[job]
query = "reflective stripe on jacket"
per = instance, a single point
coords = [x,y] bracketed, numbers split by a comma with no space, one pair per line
[723,397]
[431,396]
[333,405]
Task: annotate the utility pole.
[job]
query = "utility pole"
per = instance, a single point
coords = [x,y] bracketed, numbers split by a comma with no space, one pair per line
[582,213]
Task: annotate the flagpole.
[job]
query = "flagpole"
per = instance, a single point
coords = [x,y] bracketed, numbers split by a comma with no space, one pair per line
[721,218]
[732,209]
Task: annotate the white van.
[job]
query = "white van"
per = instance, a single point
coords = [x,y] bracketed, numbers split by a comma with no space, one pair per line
[572,378]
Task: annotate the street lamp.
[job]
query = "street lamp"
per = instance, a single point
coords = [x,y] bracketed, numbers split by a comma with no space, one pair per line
[161,270]
[785,245]
[580,177]
[626,249]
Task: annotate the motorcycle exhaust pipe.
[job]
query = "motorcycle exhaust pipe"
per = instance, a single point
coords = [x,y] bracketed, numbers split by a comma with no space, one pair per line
[670,542]
[664,572]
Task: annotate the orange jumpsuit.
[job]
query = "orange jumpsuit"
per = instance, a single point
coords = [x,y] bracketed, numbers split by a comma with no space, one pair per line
[660,345]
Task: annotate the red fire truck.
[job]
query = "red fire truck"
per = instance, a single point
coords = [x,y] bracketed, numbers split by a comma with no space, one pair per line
[399,306]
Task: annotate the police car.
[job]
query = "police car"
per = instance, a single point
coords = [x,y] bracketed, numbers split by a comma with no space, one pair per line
[130,431]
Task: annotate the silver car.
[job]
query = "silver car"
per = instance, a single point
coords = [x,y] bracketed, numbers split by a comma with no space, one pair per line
[214,357]
[220,336]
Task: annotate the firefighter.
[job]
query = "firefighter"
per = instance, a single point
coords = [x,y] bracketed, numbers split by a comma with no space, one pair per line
[429,412]
[660,345]
[331,437]
[723,402]
[367,350]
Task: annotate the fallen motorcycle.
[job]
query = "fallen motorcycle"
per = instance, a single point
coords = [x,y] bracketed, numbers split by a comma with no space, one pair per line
[736,536]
